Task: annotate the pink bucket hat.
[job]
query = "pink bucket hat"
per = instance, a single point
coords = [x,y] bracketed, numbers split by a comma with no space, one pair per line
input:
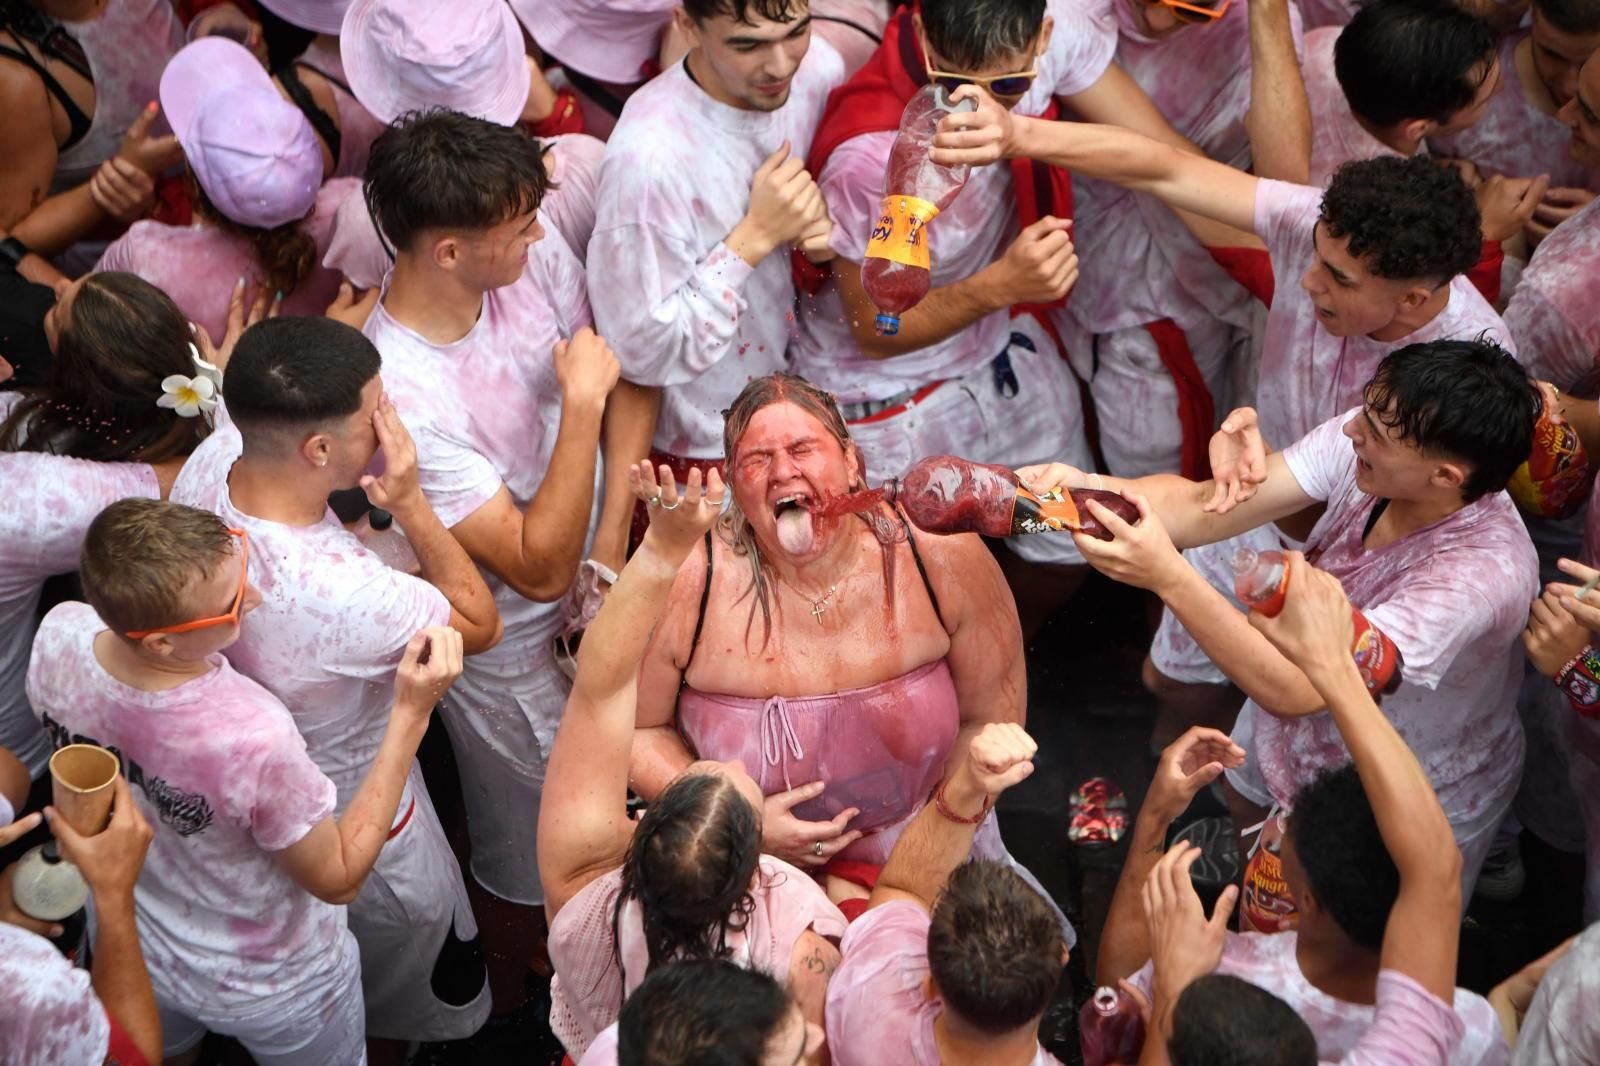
[466,55]
[321,16]
[598,37]
[254,154]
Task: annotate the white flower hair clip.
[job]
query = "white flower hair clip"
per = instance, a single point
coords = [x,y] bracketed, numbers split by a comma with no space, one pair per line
[187,397]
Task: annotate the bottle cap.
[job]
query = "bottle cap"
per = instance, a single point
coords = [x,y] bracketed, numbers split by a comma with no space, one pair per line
[888,325]
[1244,560]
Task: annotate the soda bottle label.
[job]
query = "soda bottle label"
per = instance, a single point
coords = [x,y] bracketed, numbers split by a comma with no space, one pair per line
[1051,512]
[901,235]
[1375,654]
[1556,477]
[1265,906]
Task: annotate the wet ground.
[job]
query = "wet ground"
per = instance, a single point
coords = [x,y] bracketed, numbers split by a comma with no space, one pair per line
[1091,718]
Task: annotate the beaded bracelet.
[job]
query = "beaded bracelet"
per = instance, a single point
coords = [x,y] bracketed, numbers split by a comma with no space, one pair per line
[1580,680]
[944,808]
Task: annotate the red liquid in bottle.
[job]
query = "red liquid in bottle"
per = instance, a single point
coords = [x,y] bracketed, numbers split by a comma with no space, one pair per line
[896,272]
[1110,1029]
[1262,581]
[945,494]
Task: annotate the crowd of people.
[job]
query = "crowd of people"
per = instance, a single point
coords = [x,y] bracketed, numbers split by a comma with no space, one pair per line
[514,364]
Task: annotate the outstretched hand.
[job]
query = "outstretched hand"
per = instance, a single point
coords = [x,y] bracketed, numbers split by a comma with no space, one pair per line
[1184,944]
[1188,765]
[677,520]
[1238,461]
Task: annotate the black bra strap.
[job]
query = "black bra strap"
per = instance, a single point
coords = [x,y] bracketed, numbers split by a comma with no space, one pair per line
[705,599]
[77,122]
[911,541]
[300,96]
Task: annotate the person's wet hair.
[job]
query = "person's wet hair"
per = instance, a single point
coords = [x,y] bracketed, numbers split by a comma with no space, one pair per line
[994,948]
[442,170]
[1222,1021]
[690,866]
[120,339]
[700,1012]
[1412,59]
[743,11]
[1461,399]
[290,375]
[1407,219]
[974,35]
[1348,869]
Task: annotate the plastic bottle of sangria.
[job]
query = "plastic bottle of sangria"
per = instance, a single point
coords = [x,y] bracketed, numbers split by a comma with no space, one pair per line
[947,494]
[896,274]
[1109,1028]
[1261,581]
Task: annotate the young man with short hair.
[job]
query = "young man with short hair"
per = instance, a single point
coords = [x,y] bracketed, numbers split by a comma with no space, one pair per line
[1375,262]
[1417,525]
[954,961]
[484,332]
[308,418]
[237,904]
[704,193]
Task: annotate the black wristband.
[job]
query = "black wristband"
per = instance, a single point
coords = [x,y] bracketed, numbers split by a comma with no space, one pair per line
[13,251]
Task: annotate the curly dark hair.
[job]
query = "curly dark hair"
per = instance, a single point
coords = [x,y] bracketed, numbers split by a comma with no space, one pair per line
[690,866]
[994,948]
[1465,399]
[1407,219]
[1335,836]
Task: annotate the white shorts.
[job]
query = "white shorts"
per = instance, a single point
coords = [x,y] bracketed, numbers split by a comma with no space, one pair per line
[320,1025]
[1038,419]
[1174,652]
[1136,399]
[501,738]
[422,971]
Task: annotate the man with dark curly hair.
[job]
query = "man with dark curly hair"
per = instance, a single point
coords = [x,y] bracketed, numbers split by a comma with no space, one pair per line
[1375,263]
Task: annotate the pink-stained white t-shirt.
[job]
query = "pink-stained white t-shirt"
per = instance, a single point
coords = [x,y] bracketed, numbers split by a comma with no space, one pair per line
[1307,374]
[876,1011]
[589,988]
[198,265]
[1553,313]
[50,501]
[1454,599]
[51,1013]
[1562,1026]
[680,308]
[1336,135]
[1268,961]
[1514,137]
[603,1049]
[1412,1026]
[219,770]
[358,127]
[333,622]
[484,411]
[1138,262]
[128,45]
[357,251]
[967,236]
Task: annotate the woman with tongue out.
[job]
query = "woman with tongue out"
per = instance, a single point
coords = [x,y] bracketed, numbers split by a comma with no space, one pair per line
[844,659]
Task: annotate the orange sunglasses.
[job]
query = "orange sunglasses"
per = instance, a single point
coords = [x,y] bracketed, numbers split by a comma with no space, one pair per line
[1192,13]
[229,619]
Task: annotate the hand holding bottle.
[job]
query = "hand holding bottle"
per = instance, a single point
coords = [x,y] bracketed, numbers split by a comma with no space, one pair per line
[1315,628]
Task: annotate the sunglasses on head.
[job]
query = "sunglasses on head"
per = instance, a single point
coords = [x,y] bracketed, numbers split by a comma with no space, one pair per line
[1192,13]
[1016,84]
[229,619]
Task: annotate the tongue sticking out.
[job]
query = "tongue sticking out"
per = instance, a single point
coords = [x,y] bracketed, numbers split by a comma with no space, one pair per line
[795,531]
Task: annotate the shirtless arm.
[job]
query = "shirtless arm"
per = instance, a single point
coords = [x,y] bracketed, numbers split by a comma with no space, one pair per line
[811,966]
[583,825]
[659,753]
[537,552]
[630,423]
[985,638]
[27,143]
[1279,121]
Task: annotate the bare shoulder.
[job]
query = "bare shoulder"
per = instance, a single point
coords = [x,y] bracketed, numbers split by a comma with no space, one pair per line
[961,569]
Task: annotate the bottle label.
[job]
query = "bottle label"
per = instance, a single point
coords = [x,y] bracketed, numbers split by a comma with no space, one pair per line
[901,234]
[1052,512]
[1266,906]
[1376,655]
[1556,478]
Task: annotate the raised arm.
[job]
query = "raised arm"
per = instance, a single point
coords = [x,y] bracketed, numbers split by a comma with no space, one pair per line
[537,552]
[939,838]
[444,562]
[583,824]
[1279,122]
[333,860]
[1181,179]
[1421,938]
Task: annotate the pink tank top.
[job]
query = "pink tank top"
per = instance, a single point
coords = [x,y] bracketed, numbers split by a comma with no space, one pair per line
[588,989]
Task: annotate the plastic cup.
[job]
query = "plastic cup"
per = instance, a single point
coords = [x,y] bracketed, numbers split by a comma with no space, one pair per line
[82,778]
